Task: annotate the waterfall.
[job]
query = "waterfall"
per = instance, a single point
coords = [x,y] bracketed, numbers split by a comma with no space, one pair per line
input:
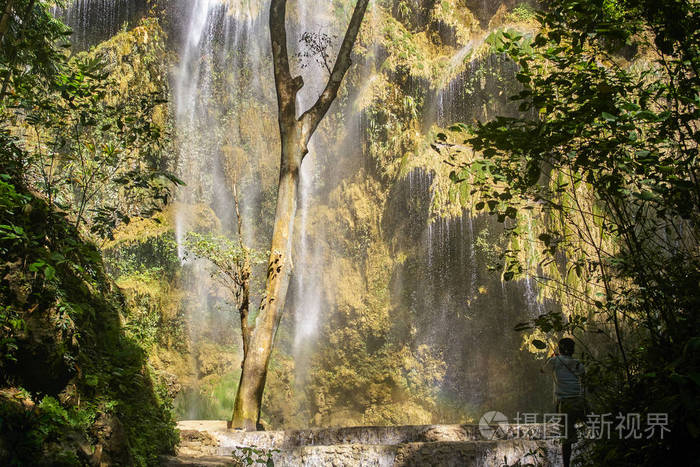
[225,119]
[223,56]
[308,278]
[314,295]
[219,86]
[457,306]
[93,21]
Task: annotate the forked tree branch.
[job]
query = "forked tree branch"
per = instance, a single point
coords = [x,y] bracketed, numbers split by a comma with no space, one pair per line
[312,117]
[288,87]
[294,137]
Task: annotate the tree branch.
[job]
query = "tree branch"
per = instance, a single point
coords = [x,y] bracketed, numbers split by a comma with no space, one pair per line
[5,21]
[287,87]
[312,117]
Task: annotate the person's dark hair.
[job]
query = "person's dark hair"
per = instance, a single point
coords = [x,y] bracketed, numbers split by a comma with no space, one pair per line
[566,346]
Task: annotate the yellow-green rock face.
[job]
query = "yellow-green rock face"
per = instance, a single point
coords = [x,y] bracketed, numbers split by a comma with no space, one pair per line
[409,325]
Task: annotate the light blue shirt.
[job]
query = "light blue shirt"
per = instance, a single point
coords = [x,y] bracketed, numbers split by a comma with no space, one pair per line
[567,376]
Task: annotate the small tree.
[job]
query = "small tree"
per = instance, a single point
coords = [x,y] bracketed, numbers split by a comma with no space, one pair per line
[295,134]
[93,154]
[100,161]
[233,263]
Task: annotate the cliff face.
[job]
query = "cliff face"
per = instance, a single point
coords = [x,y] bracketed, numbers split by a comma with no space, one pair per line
[414,328]
[393,316]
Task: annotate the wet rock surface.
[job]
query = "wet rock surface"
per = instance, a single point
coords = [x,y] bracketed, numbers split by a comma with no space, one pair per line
[210,443]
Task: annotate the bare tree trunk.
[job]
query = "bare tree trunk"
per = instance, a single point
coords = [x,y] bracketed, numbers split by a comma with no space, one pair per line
[5,21]
[295,135]
[246,412]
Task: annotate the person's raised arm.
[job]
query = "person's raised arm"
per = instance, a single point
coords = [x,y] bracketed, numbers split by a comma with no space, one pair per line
[549,364]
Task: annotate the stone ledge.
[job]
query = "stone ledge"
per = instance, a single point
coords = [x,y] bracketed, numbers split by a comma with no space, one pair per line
[205,461]
[430,445]
[388,435]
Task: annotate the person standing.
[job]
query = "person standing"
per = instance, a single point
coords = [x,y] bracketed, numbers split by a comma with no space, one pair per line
[568,392]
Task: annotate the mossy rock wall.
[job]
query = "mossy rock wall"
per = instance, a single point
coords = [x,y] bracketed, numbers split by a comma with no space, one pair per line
[75,387]
[413,327]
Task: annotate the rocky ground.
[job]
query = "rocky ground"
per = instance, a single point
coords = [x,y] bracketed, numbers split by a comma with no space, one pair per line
[209,443]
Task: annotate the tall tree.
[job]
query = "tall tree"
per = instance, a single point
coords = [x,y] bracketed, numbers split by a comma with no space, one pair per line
[295,134]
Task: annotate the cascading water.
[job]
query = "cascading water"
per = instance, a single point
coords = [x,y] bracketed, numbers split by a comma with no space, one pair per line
[313,295]
[458,308]
[437,291]
[95,20]
[223,54]
[222,43]
[309,297]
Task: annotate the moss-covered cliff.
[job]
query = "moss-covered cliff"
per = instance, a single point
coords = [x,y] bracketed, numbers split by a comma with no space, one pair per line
[413,328]
[75,385]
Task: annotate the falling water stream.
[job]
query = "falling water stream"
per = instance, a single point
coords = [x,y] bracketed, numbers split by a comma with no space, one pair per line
[309,293]
[96,20]
[224,109]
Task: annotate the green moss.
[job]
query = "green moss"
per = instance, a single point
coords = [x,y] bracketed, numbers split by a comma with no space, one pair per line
[137,60]
[80,356]
[453,13]
[140,230]
[366,371]
[522,13]
[414,52]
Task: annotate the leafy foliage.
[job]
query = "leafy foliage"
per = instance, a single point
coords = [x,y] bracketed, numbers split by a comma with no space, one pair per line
[11,323]
[247,455]
[96,156]
[233,264]
[608,154]
[232,260]
[230,257]
[59,310]
[61,146]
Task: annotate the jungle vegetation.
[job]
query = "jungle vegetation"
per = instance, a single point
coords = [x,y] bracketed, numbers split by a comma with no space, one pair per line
[607,153]
[594,181]
[75,162]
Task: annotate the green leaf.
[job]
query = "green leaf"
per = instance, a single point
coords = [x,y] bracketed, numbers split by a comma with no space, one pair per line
[49,272]
[646,115]
[523,78]
[91,380]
